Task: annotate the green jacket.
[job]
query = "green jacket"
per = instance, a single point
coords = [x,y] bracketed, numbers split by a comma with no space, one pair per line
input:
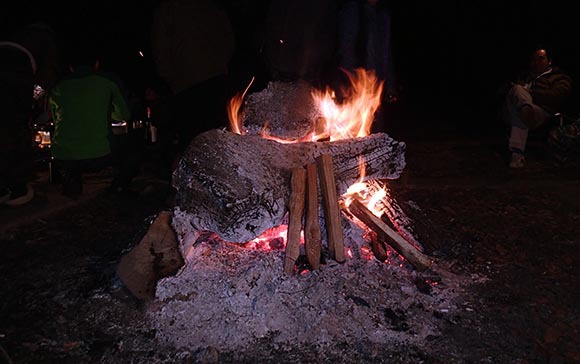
[83,106]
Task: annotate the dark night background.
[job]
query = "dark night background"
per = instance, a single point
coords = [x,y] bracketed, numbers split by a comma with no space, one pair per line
[449,55]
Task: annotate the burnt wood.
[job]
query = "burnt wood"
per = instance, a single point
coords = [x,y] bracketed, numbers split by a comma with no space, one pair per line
[238,186]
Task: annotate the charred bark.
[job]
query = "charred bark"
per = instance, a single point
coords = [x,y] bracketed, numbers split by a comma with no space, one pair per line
[239,186]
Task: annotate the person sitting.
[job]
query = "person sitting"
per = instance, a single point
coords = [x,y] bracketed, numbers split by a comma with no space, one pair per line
[83,105]
[533,100]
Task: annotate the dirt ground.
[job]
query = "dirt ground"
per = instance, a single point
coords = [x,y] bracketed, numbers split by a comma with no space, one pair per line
[62,302]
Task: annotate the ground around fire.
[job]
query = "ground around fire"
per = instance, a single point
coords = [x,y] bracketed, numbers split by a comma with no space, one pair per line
[62,302]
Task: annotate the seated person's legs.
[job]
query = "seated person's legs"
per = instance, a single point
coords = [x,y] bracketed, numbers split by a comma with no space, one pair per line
[521,114]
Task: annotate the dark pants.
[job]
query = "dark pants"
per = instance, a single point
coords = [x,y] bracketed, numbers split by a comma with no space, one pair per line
[125,160]
[197,109]
[126,157]
[16,100]
[70,172]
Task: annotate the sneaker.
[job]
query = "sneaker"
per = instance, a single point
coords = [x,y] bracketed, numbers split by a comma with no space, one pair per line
[20,197]
[517,160]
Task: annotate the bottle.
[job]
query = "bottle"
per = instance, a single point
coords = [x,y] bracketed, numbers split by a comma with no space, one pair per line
[152,129]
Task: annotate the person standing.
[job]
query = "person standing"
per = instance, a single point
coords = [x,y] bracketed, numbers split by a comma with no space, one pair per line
[29,57]
[83,105]
[364,40]
[192,44]
[532,100]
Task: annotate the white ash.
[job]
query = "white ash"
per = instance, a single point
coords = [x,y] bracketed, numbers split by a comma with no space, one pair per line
[287,109]
[230,297]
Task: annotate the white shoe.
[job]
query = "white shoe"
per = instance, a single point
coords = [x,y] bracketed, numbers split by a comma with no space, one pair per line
[517,160]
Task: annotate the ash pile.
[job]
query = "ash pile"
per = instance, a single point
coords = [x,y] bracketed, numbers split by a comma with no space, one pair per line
[233,295]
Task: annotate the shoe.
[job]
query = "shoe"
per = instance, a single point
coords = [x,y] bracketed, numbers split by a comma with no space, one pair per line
[517,160]
[21,196]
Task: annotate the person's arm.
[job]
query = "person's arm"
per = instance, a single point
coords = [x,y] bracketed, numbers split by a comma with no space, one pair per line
[553,94]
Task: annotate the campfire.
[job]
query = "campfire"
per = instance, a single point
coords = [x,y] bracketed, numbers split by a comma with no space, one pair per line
[285,225]
[291,142]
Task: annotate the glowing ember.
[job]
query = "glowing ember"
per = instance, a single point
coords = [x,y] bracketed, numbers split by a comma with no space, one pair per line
[350,118]
[271,239]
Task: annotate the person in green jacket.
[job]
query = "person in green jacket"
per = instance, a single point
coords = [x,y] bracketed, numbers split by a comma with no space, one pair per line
[83,106]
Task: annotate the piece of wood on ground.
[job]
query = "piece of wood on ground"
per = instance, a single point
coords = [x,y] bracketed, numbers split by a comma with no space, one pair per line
[378,246]
[419,260]
[156,256]
[296,212]
[331,210]
[312,234]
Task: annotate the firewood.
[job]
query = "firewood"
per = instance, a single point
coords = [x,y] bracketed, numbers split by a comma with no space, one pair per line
[377,241]
[331,210]
[378,246]
[156,256]
[297,201]
[419,260]
[238,185]
[312,235]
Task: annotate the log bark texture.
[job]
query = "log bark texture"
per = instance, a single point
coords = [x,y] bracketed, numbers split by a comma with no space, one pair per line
[238,186]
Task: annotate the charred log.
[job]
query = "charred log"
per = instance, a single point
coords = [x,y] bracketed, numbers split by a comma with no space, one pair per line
[239,186]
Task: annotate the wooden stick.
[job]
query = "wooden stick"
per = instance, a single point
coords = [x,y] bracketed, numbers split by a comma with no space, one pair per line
[379,249]
[419,260]
[312,235]
[298,185]
[377,241]
[331,210]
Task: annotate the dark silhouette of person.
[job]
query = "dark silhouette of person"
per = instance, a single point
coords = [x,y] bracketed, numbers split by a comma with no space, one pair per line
[29,57]
[192,44]
[300,39]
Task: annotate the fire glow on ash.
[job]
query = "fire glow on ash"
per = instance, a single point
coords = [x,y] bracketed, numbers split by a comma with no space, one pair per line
[351,118]
[234,297]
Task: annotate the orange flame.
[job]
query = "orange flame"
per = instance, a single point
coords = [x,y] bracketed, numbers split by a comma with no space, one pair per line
[361,191]
[235,110]
[351,118]
[354,116]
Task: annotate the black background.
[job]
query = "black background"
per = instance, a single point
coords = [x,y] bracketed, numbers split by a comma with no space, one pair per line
[452,54]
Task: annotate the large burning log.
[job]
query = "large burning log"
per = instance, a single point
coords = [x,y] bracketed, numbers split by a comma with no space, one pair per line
[238,186]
